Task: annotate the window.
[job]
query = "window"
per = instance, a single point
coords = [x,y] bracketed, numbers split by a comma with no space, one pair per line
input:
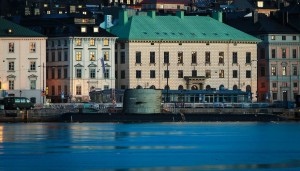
[234,74]
[92,56]
[248,74]
[11,47]
[207,57]
[11,66]
[65,72]
[221,57]
[32,84]
[116,74]
[221,73]
[122,45]
[283,51]
[78,90]
[273,37]
[180,73]
[294,38]
[194,73]
[283,37]
[274,85]
[32,47]
[92,42]
[294,53]
[92,73]
[53,56]
[66,56]
[273,53]
[152,57]
[138,57]
[106,73]
[274,95]
[207,73]
[262,71]
[65,42]
[295,84]
[248,57]
[152,73]
[32,66]
[234,58]
[106,56]
[78,55]
[58,73]
[273,70]
[194,57]
[53,73]
[96,29]
[78,73]
[122,57]
[83,29]
[166,57]
[283,70]
[58,43]
[166,74]
[138,74]
[105,42]
[295,69]
[78,42]
[180,57]
[262,53]
[122,74]
[11,84]
[59,56]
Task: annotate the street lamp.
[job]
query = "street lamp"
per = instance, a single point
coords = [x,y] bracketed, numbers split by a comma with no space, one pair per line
[43,91]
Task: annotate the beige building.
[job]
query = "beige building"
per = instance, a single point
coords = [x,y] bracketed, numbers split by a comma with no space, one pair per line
[22,56]
[184,52]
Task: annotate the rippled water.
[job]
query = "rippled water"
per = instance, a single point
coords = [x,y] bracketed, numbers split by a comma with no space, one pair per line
[152,146]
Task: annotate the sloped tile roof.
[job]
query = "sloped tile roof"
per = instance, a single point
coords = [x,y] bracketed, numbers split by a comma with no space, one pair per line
[17,30]
[188,28]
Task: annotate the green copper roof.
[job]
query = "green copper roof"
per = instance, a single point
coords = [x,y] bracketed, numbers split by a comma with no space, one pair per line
[16,30]
[184,28]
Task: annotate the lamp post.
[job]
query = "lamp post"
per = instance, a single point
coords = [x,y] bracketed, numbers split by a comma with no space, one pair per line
[252,76]
[168,81]
[43,90]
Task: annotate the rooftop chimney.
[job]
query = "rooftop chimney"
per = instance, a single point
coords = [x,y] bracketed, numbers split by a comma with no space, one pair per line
[180,14]
[151,14]
[123,17]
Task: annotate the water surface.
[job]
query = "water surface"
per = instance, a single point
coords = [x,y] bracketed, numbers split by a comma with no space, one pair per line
[151,146]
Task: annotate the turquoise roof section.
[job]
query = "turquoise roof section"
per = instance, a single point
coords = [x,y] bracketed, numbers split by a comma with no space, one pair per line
[174,28]
[17,30]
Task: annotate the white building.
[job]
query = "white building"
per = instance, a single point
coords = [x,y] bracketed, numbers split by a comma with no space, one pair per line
[22,56]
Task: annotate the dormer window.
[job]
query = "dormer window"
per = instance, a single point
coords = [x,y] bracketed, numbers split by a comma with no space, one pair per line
[83,29]
[10,31]
[96,29]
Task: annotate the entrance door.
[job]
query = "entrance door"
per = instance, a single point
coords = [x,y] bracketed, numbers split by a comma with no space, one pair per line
[284,96]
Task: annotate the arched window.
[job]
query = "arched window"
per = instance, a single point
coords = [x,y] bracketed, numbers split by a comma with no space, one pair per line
[180,87]
[208,87]
[234,87]
[248,88]
[194,87]
[167,87]
[221,87]
[139,87]
[152,87]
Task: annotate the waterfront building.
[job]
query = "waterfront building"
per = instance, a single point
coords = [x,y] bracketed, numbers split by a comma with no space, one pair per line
[22,56]
[183,53]
[80,58]
[278,53]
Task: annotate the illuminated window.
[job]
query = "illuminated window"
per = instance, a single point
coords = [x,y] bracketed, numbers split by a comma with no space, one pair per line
[92,56]
[273,70]
[32,47]
[96,29]
[32,66]
[78,42]
[78,56]
[284,70]
[92,42]
[106,56]
[11,47]
[83,29]
[105,42]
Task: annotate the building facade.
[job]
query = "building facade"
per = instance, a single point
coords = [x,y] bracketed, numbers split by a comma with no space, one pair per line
[22,55]
[183,52]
